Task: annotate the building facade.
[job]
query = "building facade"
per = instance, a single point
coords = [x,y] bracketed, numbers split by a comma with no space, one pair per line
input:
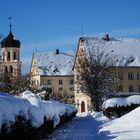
[54,71]
[125,49]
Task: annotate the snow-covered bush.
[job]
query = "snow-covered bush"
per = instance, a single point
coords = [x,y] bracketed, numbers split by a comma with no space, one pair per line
[117,107]
[29,113]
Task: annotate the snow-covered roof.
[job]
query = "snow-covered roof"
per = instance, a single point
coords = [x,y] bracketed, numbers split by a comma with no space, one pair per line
[54,64]
[124,49]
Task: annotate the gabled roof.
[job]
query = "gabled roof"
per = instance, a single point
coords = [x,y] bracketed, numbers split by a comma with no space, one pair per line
[54,64]
[126,49]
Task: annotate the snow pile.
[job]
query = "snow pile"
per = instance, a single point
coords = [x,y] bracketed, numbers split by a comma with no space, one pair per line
[125,128]
[135,99]
[54,64]
[125,49]
[32,108]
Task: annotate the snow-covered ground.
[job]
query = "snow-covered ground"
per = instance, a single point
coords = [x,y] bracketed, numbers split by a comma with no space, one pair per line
[32,108]
[91,126]
[95,126]
[83,127]
[125,128]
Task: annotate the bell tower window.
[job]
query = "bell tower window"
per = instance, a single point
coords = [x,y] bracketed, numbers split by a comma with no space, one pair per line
[15,58]
[8,56]
[6,69]
[11,69]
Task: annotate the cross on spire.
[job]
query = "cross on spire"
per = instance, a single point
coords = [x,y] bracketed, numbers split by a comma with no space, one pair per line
[10,22]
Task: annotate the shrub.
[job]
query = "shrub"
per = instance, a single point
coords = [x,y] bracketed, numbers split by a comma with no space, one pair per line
[119,111]
[23,130]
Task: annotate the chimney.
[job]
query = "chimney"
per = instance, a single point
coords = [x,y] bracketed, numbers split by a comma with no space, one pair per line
[106,37]
[57,51]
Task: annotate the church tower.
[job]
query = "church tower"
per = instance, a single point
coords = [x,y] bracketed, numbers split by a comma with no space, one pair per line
[11,63]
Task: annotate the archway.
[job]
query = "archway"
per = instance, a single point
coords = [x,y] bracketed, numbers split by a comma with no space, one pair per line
[83,106]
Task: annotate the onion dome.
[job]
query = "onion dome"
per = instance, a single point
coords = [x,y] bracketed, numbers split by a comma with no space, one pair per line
[9,41]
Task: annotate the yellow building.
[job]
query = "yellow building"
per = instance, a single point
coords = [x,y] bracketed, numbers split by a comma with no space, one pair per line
[125,49]
[54,71]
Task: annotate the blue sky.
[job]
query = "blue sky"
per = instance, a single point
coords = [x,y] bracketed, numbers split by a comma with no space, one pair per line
[45,25]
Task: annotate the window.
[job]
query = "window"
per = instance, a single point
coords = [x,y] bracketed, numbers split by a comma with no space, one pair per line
[11,69]
[131,89]
[72,89]
[8,56]
[15,58]
[130,76]
[71,81]
[60,82]
[6,69]
[49,82]
[139,88]
[138,75]
[60,89]
[120,76]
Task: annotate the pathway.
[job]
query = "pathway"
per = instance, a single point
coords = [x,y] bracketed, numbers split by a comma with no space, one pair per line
[80,128]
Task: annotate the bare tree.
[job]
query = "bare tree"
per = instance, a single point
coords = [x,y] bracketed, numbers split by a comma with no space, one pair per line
[97,75]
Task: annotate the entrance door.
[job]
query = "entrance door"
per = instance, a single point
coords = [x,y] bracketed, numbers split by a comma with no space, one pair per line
[83,106]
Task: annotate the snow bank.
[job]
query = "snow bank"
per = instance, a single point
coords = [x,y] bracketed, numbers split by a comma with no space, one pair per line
[32,108]
[135,99]
[127,127]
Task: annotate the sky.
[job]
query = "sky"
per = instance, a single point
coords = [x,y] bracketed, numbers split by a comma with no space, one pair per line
[47,25]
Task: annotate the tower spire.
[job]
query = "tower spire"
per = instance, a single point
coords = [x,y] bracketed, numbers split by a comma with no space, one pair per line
[10,23]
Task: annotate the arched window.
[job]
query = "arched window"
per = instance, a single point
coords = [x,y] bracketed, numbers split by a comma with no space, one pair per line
[6,69]
[8,56]
[11,69]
